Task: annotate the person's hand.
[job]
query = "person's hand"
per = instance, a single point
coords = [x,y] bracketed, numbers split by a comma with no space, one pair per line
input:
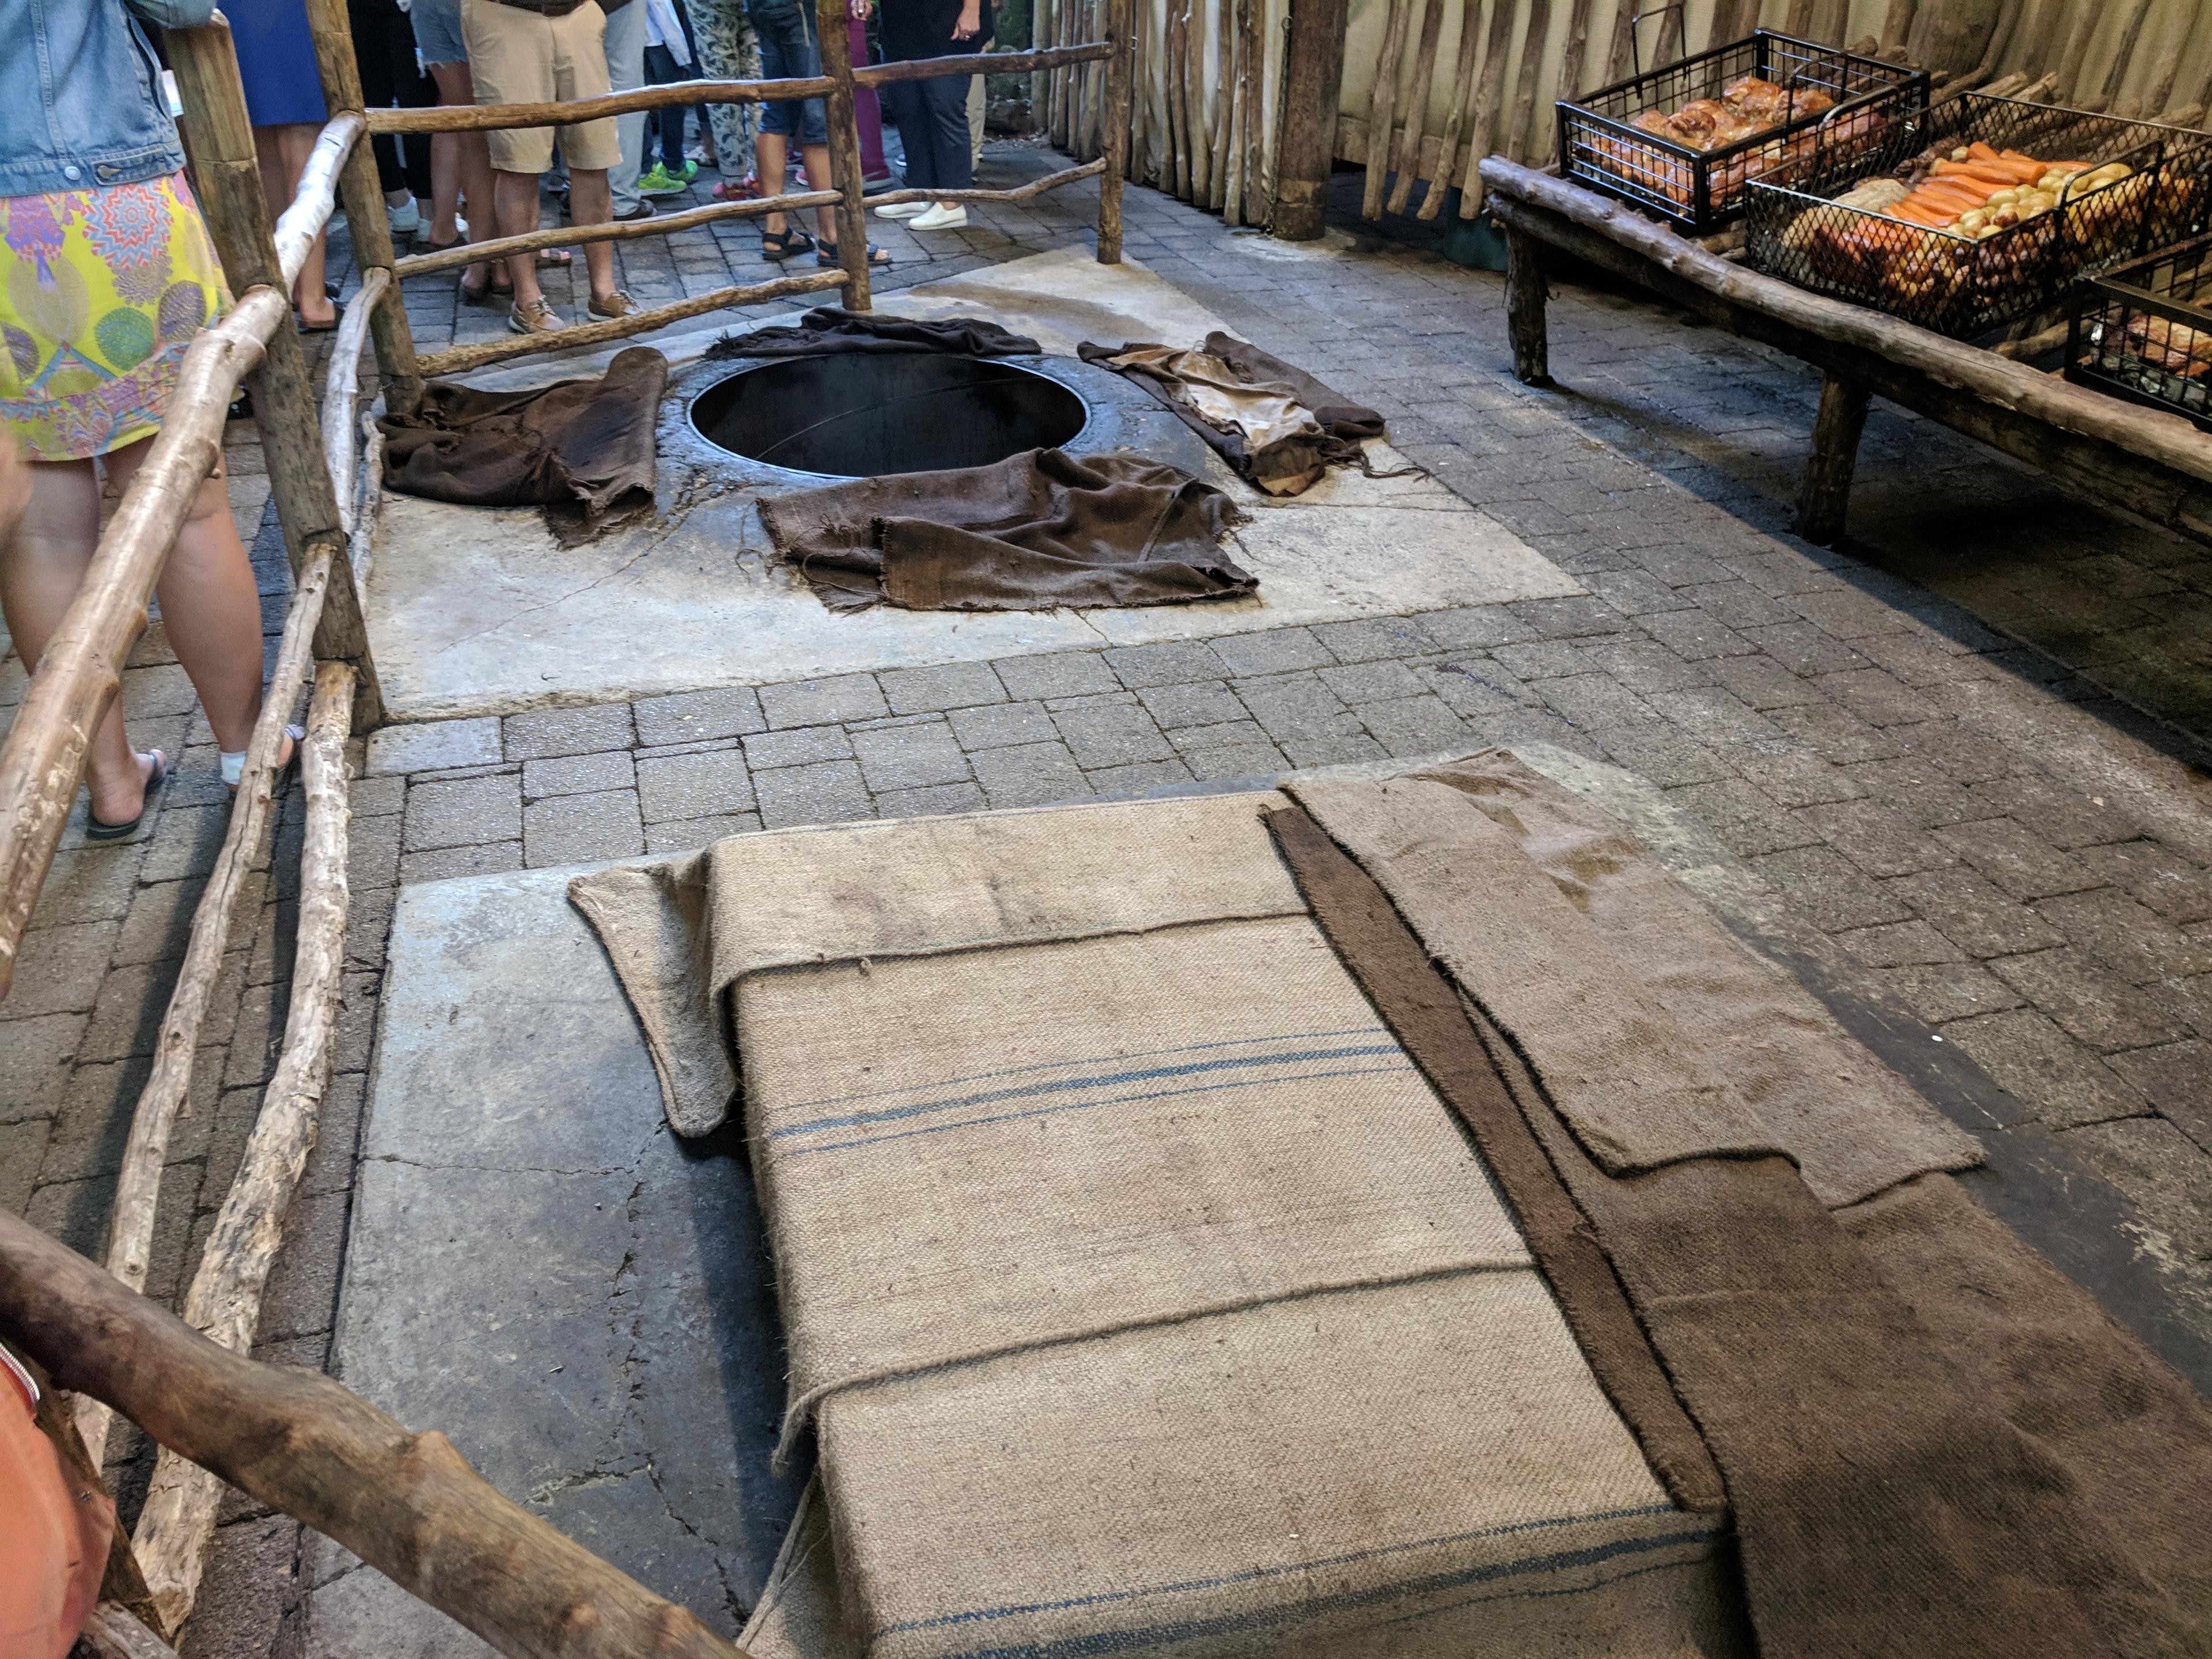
[971,21]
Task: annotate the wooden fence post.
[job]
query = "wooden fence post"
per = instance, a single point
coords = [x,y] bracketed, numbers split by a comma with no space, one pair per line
[1122,31]
[365,222]
[237,212]
[844,152]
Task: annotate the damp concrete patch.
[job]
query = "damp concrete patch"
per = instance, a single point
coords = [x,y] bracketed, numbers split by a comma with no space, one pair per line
[479,611]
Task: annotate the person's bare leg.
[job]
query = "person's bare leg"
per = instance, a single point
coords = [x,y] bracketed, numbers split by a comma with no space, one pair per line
[283,152]
[460,167]
[591,202]
[40,570]
[770,160]
[210,608]
[516,195]
[815,158]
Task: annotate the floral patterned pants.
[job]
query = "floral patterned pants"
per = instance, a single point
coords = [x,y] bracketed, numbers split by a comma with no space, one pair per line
[728,52]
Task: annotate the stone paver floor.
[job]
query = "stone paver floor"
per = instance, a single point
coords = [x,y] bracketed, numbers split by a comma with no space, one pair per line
[1967,746]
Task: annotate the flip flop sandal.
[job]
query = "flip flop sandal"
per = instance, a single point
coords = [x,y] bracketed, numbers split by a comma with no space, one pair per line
[337,316]
[97,829]
[826,257]
[777,246]
[554,258]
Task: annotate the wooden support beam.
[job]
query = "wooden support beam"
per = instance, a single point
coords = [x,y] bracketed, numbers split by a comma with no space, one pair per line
[114,1632]
[1416,119]
[1121,89]
[146,1152]
[1826,495]
[845,152]
[1526,292]
[1464,69]
[467,253]
[1484,121]
[493,117]
[1020,192]
[460,359]
[341,386]
[1516,136]
[1381,102]
[407,1503]
[1313,83]
[42,760]
[224,1301]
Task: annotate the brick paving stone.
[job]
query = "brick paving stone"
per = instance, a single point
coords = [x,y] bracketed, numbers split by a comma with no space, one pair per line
[301,1296]
[1028,774]
[373,848]
[1835,735]
[711,784]
[1171,662]
[1874,838]
[444,863]
[59,970]
[35,1064]
[2054,1077]
[1275,651]
[1197,702]
[934,799]
[2086,1000]
[93,1123]
[369,797]
[1899,945]
[1799,779]
[1373,638]
[2016,859]
[1569,619]
[93,883]
[1111,734]
[1476,627]
[1804,649]
[1139,777]
[1255,759]
[1062,674]
[73,1212]
[1415,725]
[797,748]
[2176,1078]
[686,835]
[1002,725]
[2126,935]
[909,756]
[433,745]
[1942,991]
[1877,697]
[2161,878]
[1765,683]
[545,732]
[1916,791]
[1697,636]
[1340,749]
[821,702]
[1643,665]
[830,792]
[926,690]
[1745,822]
[2064,818]
[577,774]
[576,829]
[127,1018]
[1295,706]
[695,717]
[1822,884]
[186,841]
[471,813]
[1635,594]
[160,921]
[1373,682]
[1541,659]
[22,1144]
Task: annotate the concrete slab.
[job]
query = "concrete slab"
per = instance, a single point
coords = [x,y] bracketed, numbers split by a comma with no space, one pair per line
[476,611]
[537,1268]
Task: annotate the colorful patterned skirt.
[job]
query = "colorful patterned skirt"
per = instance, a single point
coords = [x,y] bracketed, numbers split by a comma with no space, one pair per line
[104,290]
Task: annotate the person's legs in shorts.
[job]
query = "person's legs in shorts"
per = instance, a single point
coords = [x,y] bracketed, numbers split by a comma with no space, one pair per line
[593,149]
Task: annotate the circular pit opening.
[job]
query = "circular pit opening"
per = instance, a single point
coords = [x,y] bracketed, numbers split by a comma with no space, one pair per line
[859,415]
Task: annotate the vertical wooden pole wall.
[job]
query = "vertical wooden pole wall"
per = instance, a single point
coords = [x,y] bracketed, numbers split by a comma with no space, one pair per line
[1120,86]
[364,205]
[221,139]
[1313,81]
[845,152]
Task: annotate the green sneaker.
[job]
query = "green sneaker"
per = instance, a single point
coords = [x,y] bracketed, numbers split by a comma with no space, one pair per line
[661,182]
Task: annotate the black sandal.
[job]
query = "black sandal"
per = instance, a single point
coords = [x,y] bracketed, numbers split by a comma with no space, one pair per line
[97,829]
[826,257]
[777,246]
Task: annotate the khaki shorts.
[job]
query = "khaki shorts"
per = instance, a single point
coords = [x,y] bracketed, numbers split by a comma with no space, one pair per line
[519,57]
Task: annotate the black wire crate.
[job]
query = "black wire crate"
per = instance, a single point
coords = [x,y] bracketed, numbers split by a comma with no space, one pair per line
[2143,331]
[2143,186]
[1818,113]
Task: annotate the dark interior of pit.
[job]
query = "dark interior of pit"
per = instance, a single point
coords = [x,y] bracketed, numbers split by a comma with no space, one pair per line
[865,414]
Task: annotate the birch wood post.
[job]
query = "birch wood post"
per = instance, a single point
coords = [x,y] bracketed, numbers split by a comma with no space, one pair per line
[42,758]
[1463,74]
[1417,106]
[138,1183]
[1526,292]
[1381,104]
[1121,80]
[224,1301]
[1313,85]
[1485,121]
[371,232]
[341,385]
[1517,137]
[407,1503]
[1827,491]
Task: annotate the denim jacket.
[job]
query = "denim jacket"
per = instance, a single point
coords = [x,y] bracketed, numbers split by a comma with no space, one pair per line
[81,98]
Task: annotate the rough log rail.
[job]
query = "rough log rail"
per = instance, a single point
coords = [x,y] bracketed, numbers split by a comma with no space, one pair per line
[2155,464]
[407,1503]
[467,253]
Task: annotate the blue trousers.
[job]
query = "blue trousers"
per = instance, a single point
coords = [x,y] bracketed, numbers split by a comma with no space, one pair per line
[931,117]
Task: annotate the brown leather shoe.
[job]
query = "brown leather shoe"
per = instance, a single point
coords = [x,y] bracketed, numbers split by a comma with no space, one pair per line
[617,304]
[537,316]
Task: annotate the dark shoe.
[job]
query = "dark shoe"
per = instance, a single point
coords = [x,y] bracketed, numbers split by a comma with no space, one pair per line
[826,257]
[642,210]
[337,316]
[97,829]
[777,246]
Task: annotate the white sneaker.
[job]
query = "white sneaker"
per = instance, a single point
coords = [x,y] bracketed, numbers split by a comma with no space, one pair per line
[903,209]
[406,223]
[939,218]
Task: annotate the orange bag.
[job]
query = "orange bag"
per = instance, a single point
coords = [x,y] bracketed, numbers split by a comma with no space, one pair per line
[54,1544]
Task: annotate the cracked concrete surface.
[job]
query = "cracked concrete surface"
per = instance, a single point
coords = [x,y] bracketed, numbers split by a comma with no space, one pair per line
[541,1269]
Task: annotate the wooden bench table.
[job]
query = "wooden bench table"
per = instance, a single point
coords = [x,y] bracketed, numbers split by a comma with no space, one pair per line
[2153,463]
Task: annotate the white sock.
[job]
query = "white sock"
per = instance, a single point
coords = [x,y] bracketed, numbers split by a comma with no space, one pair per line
[234,766]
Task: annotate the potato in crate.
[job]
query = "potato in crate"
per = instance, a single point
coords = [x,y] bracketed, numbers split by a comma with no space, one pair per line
[2144,332]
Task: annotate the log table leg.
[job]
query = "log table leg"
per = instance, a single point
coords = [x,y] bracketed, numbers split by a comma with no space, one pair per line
[1828,491]
[1525,294]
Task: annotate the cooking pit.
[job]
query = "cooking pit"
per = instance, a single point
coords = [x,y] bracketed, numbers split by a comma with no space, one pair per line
[866,414]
